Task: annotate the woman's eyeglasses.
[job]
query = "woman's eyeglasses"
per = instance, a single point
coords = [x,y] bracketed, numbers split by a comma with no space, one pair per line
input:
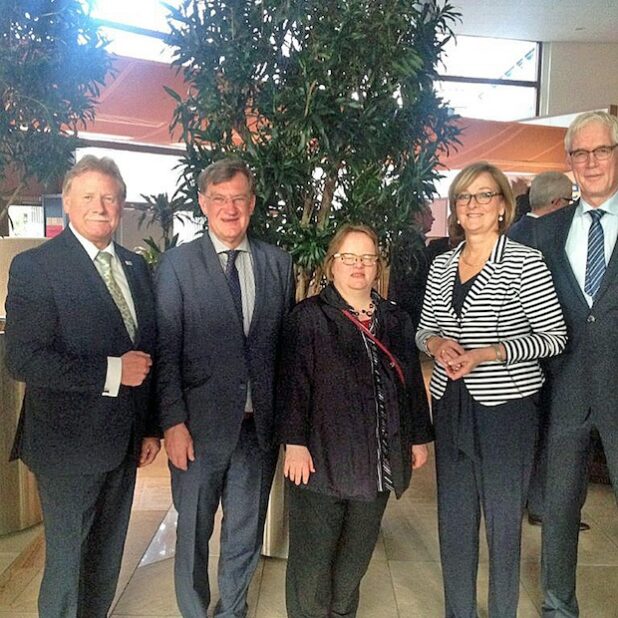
[482,198]
[349,259]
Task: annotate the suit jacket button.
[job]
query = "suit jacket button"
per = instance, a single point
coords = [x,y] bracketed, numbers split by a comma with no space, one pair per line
[590,319]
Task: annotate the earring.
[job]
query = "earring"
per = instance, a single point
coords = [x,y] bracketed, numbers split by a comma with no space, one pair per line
[501,218]
[458,222]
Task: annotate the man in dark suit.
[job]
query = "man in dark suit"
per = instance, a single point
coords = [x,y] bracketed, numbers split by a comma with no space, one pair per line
[549,192]
[221,300]
[80,332]
[579,244]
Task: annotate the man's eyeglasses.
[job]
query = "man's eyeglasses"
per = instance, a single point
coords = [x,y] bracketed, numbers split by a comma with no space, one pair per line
[222,200]
[349,259]
[602,153]
[482,198]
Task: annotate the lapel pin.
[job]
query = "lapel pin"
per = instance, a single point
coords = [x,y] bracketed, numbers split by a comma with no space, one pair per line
[128,262]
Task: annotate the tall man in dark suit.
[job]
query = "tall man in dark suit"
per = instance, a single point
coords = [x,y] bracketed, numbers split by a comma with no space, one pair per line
[221,300]
[80,332]
[579,244]
[549,191]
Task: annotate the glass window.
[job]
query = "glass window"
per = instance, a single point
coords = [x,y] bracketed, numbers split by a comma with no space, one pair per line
[135,29]
[148,14]
[495,79]
[489,101]
[469,56]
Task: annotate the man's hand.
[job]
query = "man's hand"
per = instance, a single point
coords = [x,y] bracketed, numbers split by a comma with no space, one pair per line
[420,452]
[135,367]
[150,448]
[179,446]
[298,464]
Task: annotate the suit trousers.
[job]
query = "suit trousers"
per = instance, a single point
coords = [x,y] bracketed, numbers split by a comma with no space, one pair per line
[331,543]
[494,480]
[242,485]
[85,517]
[567,479]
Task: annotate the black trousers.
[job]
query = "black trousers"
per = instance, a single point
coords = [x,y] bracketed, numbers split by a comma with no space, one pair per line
[331,543]
[493,479]
[86,517]
[567,480]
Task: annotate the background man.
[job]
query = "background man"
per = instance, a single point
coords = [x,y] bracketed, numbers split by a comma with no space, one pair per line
[221,302]
[80,332]
[549,191]
[579,246]
[410,267]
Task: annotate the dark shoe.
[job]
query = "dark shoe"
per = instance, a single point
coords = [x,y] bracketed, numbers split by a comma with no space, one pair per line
[534,520]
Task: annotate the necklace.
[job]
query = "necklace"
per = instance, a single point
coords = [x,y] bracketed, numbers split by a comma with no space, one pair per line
[364,312]
[463,259]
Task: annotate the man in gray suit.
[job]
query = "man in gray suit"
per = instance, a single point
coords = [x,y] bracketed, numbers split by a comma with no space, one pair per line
[579,244]
[221,302]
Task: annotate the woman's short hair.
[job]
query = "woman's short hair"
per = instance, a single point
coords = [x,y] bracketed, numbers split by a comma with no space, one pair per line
[103,165]
[463,180]
[338,239]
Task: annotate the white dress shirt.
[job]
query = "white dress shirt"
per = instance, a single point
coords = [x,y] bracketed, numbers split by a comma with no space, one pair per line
[114,363]
[577,241]
[244,265]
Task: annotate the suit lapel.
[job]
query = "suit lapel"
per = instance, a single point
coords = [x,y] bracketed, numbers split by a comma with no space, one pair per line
[485,274]
[259,274]
[448,281]
[563,263]
[610,274]
[84,267]
[137,292]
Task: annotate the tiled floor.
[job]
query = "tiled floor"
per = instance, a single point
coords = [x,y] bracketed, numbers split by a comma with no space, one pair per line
[403,580]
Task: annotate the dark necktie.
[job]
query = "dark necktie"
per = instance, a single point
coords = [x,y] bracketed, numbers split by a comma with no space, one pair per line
[233,281]
[595,261]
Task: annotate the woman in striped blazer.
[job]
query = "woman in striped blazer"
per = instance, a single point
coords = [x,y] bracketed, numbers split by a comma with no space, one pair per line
[490,313]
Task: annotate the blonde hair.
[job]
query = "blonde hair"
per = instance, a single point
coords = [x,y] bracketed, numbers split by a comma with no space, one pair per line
[338,239]
[103,165]
[463,180]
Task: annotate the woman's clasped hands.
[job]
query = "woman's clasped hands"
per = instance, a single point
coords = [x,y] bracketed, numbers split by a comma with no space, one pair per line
[456,361]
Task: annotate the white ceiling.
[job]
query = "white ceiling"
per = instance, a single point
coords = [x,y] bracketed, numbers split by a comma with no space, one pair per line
[540,20]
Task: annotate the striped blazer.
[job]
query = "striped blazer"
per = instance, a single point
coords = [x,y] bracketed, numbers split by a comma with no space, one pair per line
[513,302]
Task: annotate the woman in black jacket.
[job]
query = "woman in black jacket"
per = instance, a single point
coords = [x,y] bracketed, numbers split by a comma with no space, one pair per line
[355,421]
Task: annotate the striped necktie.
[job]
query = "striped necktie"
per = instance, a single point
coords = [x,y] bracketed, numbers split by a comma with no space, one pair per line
[595,261]
[103,262]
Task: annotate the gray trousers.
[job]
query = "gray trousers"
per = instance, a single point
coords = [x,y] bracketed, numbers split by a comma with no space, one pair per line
[567,479]
[86,517]
[242,485]
[496,481]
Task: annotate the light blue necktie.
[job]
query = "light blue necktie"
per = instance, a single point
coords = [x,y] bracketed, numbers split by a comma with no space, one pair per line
[595,261]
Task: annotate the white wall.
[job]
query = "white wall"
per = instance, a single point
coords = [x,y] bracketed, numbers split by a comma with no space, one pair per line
[578,77]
